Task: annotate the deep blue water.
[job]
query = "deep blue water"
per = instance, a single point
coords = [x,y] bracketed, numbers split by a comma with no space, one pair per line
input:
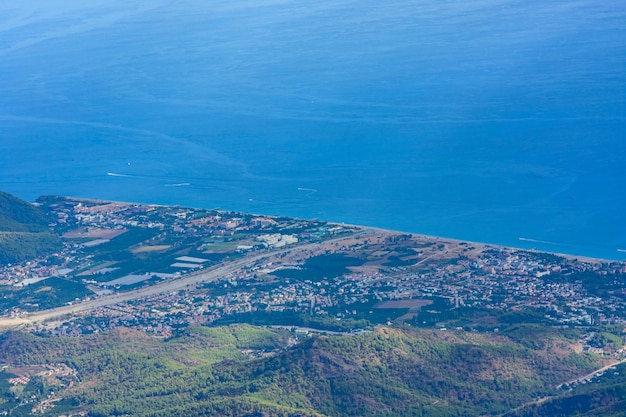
[486,120]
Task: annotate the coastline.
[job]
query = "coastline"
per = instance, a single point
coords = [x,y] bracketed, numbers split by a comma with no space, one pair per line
[244,250]
[580,258]
[487,245]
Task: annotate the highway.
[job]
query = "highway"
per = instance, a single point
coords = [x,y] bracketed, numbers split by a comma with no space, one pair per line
[213,273]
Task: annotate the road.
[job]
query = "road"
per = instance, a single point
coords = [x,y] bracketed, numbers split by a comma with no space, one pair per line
[211,274]
[318,331]
[591,375]
[542,400]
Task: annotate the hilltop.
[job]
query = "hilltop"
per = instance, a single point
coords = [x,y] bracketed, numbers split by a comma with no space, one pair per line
[24,231]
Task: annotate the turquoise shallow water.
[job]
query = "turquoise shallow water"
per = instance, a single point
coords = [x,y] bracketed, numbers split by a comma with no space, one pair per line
[490,122]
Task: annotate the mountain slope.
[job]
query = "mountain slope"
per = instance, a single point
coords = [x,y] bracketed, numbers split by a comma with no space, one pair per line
[20,216]
[210,371]
[24,231]
[603,397]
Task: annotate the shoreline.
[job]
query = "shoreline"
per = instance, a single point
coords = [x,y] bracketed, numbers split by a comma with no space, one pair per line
[582,258]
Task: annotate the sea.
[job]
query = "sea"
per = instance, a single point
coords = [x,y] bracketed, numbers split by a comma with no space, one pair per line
[496,121]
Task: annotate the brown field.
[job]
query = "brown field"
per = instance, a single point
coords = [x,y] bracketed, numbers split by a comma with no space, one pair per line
[154,248]
[93,233]
[27,370]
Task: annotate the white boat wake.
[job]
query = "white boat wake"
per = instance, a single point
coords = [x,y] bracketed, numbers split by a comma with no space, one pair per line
[180,184]
[309,191]
[113,174]
[545,242]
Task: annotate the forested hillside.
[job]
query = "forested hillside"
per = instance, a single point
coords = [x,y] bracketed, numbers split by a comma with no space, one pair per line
[24,231]
[244,370]
[604,397]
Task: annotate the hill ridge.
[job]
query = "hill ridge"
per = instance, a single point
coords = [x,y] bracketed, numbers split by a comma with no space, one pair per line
[24,231]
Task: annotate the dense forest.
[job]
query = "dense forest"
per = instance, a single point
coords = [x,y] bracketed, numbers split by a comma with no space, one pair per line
[241,370]
[24,231]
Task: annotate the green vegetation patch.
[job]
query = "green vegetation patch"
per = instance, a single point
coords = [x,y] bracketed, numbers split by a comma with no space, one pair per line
[208,371]
[24,231]
[241,336]
[50,293]
[20,216]
[322,267]
[125,241]
[296,319]
[20,246]
[604,397]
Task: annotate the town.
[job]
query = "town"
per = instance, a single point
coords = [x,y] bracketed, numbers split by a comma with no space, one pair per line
[304,273]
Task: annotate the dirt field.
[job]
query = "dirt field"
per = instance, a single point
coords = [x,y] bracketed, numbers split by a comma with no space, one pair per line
[154,248]
[93,233]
